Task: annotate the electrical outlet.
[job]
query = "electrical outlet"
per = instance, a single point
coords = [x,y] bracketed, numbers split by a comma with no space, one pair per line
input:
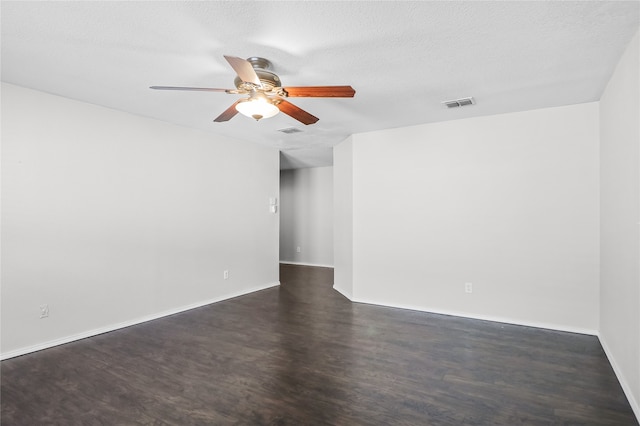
[468,287]
[226,274]
[298,249]
[44,311]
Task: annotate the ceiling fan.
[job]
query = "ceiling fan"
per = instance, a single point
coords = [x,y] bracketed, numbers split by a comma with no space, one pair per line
[266,94]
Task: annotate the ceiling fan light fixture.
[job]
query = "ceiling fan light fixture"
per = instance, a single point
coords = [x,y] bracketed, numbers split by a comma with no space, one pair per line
[266,94]
[257,108]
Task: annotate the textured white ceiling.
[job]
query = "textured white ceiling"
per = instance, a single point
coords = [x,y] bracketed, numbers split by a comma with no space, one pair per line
[403,59]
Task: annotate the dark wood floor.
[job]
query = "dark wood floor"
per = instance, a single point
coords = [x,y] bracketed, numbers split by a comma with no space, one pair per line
[301,354]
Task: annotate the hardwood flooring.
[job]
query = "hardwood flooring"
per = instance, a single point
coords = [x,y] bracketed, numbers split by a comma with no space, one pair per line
[302,354]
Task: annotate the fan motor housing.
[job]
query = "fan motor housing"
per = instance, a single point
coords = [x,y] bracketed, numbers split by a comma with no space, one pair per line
[268,79]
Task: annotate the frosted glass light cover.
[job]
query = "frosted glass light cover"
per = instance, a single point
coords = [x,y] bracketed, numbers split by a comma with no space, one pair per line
[257,108]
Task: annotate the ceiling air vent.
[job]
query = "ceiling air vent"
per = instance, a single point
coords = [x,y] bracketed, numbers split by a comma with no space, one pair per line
[455,103]
[290,130]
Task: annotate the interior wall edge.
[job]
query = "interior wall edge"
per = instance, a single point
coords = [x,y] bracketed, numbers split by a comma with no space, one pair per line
[635,405]
[95,332]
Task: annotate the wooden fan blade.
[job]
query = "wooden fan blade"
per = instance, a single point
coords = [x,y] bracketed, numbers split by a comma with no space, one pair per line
[244,69]
[321,91]
[198,89]
[228,114]
[295,112]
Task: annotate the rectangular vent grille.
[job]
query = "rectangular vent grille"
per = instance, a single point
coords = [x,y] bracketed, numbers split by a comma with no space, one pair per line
[290,130]
[456,103]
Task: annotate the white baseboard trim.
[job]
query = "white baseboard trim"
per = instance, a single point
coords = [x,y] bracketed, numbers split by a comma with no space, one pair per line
[635,405]
[343,292]
[555,327]
[288,262]
[129,323]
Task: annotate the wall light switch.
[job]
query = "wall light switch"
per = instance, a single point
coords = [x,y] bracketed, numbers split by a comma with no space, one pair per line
[273,209]
[44,311]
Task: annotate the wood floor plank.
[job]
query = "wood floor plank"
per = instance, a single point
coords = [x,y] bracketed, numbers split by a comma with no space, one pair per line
[302,354]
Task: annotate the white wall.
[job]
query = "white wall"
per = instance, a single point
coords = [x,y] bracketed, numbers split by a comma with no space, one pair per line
[620,217]
[507,202]
[343,217]
[306,216]
[111,218]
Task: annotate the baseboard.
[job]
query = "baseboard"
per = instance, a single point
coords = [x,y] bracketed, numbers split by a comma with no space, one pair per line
[124,324]
[319,265]
[503,320]
[635,405]
[342,292]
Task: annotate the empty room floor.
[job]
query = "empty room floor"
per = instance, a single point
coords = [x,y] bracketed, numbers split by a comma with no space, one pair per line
[302,354]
